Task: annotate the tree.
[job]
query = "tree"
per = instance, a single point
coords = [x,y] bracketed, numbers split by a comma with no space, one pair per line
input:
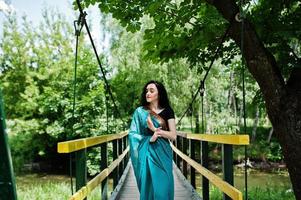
[36,73]
[271,49]
[132,71]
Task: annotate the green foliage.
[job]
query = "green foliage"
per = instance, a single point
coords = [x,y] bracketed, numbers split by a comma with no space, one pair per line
[177,34]
[223,94]
[279,28]
[39,186]
[93,161]
[259,193]
[271,193]
[35,186]
[23,150]
[133,71]
[36,75]
[275,152]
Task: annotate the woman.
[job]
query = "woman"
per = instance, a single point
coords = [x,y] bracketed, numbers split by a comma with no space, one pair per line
[153,125]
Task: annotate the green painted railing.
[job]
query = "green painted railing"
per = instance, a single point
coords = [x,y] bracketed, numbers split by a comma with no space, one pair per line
[116,167]
[183,158]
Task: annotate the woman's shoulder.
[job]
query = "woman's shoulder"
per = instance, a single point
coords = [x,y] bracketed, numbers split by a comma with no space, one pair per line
[140,109]
[168,113]
[169,109]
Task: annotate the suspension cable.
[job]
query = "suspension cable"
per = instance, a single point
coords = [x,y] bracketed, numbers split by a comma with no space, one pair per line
[78,25]
[201,85]
[242,16]
[98,61]
[202,91]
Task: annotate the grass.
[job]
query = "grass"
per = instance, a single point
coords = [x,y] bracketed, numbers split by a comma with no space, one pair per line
[37,187]
[49,187]
[259,193]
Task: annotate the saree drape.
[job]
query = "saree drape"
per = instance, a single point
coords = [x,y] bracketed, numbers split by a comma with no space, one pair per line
[152,161]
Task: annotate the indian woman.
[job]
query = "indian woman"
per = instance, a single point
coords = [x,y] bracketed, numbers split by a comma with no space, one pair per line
[151,131]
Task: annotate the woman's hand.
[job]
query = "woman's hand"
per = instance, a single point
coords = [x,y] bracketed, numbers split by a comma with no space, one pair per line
[156,134]
[150,124]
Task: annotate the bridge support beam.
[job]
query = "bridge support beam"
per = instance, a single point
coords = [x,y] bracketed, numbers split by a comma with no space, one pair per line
[185,151]
[179,146]
[7,179]
[115,156]
[227,165]
[192,156]
[104,165]
[205,163]
[80,169]
[120,166]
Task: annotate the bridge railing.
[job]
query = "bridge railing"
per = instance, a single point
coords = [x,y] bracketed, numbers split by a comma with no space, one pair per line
[80,147]
[182,157]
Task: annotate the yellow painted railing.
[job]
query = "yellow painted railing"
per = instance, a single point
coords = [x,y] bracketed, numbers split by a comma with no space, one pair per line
[80,146]
[75,145]
[182,159]
[92,184]
[218,138]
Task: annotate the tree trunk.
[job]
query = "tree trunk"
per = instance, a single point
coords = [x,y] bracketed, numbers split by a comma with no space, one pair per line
[255,124]
[234,106]
[230,93]
[283,101]
[270,135]
[241,114]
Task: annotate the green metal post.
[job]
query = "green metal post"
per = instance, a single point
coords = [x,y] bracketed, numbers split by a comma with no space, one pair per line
[120,167]
[179,146]
[192,170]
[124,147]
[7,179]
[80,169]
[227,165]
[205,161]
[103,165]
[174,153]
[115,156]
[184,150]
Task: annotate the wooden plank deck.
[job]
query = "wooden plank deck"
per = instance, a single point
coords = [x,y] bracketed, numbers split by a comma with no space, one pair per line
[128,190]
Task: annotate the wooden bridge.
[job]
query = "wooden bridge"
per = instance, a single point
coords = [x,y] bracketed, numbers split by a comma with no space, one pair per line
[187,149]
[127,188]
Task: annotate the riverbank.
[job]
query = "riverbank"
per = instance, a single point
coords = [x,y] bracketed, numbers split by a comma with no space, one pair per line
[261,186]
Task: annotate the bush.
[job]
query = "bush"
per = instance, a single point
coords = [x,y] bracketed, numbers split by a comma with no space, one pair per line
[22,144]
[258,193]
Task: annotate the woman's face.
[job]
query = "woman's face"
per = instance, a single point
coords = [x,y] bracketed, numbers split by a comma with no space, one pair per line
[151,93]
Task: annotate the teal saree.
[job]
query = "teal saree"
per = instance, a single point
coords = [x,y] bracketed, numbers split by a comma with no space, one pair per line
[152,161]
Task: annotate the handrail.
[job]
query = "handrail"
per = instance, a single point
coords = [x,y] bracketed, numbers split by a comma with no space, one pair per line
[182,160]
[91,185]
[80,146]
[217,181]
[75,145]
[218,138]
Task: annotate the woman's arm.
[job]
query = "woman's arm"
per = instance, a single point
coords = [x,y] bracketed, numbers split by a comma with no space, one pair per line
[171,134]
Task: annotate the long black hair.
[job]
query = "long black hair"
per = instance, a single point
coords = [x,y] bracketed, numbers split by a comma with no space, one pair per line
[162,94]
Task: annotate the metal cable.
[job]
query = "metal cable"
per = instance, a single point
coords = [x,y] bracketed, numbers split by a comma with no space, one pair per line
[201,86]
[242,18]
[98,60]
[77,28]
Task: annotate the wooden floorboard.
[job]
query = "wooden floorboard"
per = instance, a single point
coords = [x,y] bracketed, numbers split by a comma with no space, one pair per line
[183,190]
